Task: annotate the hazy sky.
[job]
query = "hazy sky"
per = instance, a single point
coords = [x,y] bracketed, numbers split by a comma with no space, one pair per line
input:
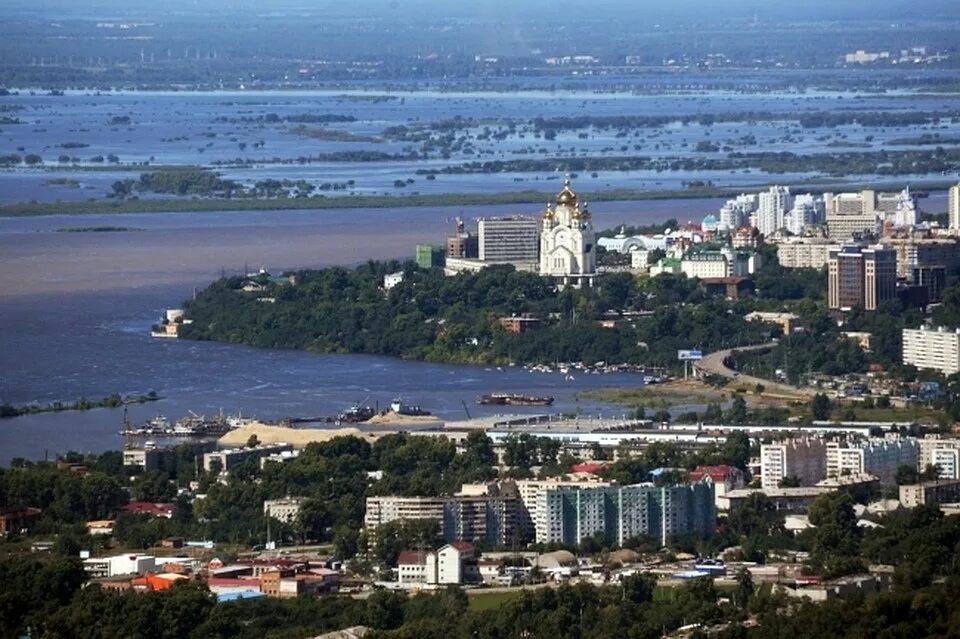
[658,10]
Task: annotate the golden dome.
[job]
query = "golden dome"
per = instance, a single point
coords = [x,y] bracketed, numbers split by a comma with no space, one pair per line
[567,196]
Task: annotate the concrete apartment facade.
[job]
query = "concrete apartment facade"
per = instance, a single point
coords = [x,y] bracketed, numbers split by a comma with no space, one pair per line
[803,458]
[936,349]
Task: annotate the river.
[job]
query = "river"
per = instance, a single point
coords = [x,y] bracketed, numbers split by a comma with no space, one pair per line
[76,310]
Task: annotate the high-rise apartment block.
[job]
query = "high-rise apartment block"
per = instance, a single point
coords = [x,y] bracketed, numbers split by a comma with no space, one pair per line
[493,517]
[772,206]
[623,512]
[880,458]
[936,349]
[803,459]
[861,276]
[953,206]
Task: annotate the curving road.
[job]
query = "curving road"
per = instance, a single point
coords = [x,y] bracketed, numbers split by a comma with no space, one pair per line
[714,364]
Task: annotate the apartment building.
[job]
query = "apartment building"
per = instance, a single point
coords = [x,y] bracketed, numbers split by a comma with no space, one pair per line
[804,459]
[936,349]
[804,252]
[572,514]
[880,458]
[231,457]
[493,516]
[285,510]
[953,206]
[930,493]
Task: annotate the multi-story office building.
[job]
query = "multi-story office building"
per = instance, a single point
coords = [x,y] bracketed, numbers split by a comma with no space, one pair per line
[508,239]
[953,206]
[849,214]
[623,512]
[861,276]
[937,349]
[804,252]
[913,252]
[880,458]
[804,459]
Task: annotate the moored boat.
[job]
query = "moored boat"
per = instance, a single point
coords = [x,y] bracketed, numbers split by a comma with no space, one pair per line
[514,399]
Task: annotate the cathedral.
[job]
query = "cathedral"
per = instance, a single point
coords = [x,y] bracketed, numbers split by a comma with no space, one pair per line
[567,242]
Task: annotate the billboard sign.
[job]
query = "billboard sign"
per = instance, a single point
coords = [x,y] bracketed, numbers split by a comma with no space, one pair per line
[689,356]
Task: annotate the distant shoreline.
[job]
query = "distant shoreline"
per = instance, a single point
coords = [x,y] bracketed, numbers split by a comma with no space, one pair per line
[100,207]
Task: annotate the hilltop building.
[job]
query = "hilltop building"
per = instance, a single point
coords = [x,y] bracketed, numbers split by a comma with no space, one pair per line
[507,239]
[567,241]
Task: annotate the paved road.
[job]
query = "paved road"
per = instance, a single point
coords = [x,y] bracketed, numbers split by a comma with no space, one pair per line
[714,364]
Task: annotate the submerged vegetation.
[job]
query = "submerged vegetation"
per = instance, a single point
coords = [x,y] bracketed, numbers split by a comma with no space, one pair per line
[111,401]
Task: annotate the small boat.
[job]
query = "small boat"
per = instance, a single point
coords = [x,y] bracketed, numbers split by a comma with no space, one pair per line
[398,407]
[514,399]
[356,413]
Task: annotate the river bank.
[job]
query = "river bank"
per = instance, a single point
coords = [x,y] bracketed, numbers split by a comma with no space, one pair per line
[172,205]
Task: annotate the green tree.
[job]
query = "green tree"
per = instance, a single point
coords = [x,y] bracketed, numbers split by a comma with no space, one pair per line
[820,407]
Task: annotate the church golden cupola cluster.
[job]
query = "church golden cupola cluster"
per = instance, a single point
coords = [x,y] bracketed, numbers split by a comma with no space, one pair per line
[567,241]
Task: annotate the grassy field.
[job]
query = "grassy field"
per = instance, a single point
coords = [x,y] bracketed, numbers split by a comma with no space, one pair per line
[481,601]
[901,415]
[658,397]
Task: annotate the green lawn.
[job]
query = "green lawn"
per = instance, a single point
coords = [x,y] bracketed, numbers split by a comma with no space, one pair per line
[482,601]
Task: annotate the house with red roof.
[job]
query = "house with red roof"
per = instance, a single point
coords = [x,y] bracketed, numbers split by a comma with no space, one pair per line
[591,468]
[157,509]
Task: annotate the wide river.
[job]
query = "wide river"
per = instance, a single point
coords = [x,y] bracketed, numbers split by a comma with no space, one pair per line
[76,310]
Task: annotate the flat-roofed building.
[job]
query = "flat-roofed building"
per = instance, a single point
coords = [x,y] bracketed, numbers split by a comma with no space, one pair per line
[493,516]
[878,457]
[229,458]
[930,493]
[803,459]
[953,206]
[936,349]
[508,239]
[574,513]
[285,510]
[804,252]
[861,276]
